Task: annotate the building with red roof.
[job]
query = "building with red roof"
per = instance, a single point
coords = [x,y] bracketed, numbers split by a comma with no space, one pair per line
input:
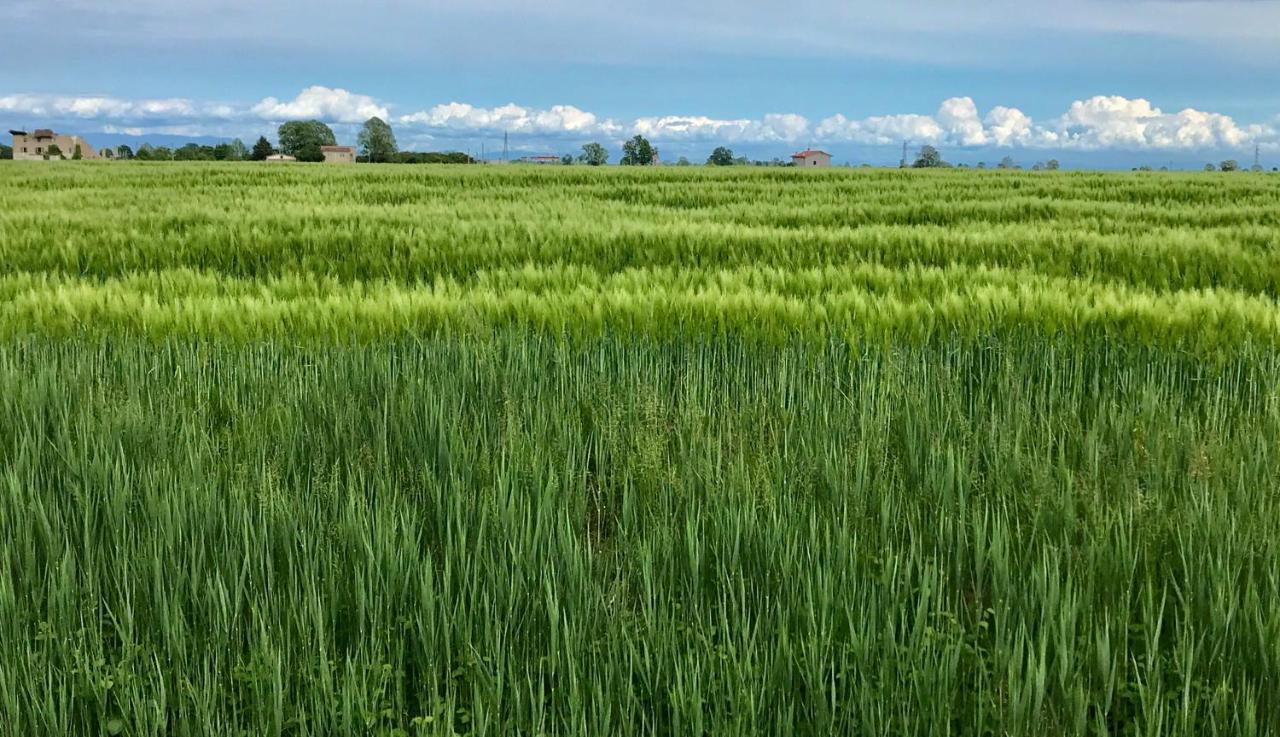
[810,158]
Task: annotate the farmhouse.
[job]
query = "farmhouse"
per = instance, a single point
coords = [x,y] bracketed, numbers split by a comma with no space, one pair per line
[339,154]
[35,146]
[811,157]
[280,157]
[544,160]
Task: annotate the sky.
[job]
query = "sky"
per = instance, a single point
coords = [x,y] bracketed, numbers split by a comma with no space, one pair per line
[1107,83]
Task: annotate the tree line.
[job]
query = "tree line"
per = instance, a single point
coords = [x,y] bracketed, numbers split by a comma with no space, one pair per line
[376,143]
[302,139]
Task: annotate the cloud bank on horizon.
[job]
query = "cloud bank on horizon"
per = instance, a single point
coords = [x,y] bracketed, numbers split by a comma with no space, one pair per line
[1099,123]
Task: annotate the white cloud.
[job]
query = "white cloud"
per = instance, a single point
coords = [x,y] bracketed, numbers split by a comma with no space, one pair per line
[322,103]
[1118,122]
[774,127]
[97,106]
[958,117]
[512,118]
[881,130]
[1098,123]
[567,120]
[1008,126]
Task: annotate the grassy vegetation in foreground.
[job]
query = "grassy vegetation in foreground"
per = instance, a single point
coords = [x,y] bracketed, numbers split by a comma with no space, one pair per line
[522,536]
[308,451]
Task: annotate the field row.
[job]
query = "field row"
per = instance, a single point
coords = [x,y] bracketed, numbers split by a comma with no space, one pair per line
[858,303]
[410,247]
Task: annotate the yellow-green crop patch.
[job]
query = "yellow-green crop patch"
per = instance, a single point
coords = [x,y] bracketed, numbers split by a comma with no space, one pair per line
[243,250]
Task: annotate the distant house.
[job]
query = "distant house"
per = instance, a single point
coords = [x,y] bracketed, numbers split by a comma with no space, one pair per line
[811,158]
[339,154]
[35,146]
[280,157]
[544,160]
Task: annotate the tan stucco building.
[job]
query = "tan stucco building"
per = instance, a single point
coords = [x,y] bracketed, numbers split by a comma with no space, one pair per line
[34,146]
[339,154]
[810,158]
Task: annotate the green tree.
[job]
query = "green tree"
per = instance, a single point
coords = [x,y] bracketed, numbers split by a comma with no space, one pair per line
[302,139]
[1229,165]
[147,152]
[233,151]
[637,152]
[107,153]
[1007,163]
[77,154]
[195,152]
[593,154]
[124,152]
[1052,165]
[683,162]
[6,152]
[1210,167]
[54,151]
[929,158]
[567,160]
[720,157]
[262,149]
[376,141]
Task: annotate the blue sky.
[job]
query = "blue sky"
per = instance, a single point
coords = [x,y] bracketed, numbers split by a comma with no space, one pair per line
[1099,82]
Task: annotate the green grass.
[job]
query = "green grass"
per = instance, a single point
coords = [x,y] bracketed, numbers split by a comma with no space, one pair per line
[240,251]
[433,451]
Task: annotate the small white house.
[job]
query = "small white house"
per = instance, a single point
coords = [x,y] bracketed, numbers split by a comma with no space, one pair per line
[810,158]
[280,157]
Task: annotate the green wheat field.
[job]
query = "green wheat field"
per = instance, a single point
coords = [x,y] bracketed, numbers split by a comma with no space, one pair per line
[400,451]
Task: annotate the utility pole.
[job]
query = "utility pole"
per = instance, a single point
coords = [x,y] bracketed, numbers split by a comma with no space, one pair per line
[504,147]
[903,164]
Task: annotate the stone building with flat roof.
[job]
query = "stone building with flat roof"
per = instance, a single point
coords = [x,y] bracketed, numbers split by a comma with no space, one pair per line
[35,146]
[339,154]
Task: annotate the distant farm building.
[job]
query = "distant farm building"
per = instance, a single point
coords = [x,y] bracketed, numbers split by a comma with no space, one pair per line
[544,160]
[339,154]
[811,157]
[35,146]
[280,157]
